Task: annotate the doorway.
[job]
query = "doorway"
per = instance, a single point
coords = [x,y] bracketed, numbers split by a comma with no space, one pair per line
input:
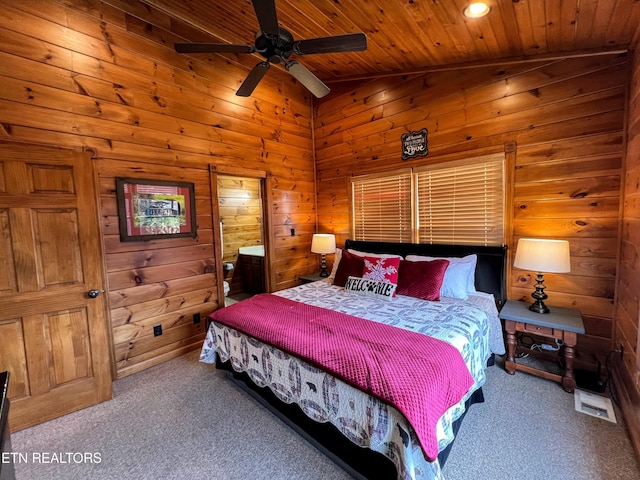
[240,208]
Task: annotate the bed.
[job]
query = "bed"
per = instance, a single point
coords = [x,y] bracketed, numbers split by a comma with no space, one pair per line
[370,432]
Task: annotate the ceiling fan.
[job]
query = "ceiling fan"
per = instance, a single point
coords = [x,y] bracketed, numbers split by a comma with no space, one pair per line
[276,45]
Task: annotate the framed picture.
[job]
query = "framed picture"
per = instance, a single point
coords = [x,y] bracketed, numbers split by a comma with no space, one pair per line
[155,209]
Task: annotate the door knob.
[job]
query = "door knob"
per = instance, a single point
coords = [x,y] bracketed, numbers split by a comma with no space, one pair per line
[93,293]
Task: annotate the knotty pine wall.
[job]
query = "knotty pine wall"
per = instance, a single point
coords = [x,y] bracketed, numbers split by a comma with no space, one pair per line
[627,317]
[566,120]
[104,76]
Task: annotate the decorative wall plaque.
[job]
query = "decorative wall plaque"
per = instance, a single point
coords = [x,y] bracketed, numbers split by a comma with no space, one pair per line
[414,144]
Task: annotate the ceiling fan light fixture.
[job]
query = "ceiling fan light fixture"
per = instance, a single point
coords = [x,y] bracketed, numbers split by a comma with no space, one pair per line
[476,10]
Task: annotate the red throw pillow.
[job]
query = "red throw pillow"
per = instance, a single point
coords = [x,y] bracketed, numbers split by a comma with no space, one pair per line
[422,279]
[350,266]
[381,269]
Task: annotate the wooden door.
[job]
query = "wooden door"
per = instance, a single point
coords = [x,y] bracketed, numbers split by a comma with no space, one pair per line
[53,336]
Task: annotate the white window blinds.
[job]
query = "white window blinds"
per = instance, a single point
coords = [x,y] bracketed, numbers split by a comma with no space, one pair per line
[462,202]
[382,207]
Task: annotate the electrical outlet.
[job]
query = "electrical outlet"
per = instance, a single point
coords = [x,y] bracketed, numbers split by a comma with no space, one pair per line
[293,232]
[196,318]
[157,330]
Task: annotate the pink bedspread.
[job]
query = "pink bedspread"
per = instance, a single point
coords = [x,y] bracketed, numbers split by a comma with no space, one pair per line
[419,375]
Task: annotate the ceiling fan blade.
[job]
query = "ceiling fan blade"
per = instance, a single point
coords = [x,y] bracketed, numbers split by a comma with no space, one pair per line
[308,79]
[267,16]
[203,47]
[252,80]
[352,42]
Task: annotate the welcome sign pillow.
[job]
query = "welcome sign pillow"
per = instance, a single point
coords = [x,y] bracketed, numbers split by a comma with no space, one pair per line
[370,288]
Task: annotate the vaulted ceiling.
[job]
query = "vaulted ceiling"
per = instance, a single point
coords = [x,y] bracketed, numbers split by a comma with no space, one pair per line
[417,35]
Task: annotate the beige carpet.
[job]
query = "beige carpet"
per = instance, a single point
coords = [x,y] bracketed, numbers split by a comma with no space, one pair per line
[185,420]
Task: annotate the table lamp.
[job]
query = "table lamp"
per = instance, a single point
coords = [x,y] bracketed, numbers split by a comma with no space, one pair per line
[542,256]
[323,243]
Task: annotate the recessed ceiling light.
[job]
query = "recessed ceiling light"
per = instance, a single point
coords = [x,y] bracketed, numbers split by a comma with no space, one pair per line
[476,10]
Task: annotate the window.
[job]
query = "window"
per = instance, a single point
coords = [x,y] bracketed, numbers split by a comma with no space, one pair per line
[461,203]
[455,202]
[381,207]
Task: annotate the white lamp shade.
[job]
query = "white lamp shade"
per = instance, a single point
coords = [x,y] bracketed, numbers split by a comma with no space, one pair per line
[323,243]
[542,255]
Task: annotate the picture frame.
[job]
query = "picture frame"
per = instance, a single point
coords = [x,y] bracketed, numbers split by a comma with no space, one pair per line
[155,209]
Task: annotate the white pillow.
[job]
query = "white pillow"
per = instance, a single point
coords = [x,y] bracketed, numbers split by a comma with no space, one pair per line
[460,276]
[336,261]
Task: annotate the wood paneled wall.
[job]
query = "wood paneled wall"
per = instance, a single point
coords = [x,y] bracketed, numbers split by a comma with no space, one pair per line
[627,318]
[566,119]
[158,282]
[104,76]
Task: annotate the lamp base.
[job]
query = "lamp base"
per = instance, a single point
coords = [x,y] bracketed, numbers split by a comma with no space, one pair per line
[539,296]
[323,266]
[539,307]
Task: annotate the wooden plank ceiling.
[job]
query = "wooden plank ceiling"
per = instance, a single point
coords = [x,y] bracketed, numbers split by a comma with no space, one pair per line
[418,35]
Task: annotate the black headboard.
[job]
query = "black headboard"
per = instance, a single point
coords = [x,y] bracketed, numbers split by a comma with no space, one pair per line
[490,269]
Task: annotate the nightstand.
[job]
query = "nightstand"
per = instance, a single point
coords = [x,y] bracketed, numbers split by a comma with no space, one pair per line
[563,324]
[313,277]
